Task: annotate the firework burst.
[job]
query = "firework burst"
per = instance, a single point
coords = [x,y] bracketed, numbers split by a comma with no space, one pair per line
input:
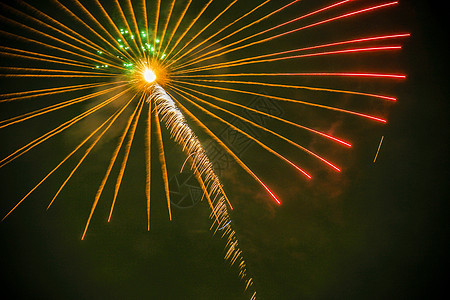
[178,61]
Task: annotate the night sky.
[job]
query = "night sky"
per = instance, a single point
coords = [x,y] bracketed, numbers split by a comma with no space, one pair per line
[374,231]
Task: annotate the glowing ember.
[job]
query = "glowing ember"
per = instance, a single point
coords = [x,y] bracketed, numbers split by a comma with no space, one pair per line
[149,75]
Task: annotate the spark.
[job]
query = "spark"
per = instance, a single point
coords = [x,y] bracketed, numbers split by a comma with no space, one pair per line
[378,150]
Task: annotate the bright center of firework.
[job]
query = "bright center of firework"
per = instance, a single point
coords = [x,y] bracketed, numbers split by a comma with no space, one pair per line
[149,75]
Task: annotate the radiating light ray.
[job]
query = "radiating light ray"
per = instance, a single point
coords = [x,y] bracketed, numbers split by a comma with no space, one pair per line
[72,46]
[384,97]
[46,60]
[56,75]
[51,91]
[315,54]
[233,33]
[269,131]
[271,116]
[182,134]
[135,118]
[203,29]
[139,44]
[174,61]
[162,158]
[148,160]
[267,148]
[289,100]
[97,196]
[43,57]
[337,74]
[104,29]
[357,12]
[272,28]
[46,45]
[163,35]
[53,70]
[85,155]
[188,28]
[19,152]
[180,18]
[225,147]
[238,62]
[124,18]
[115,154]
[116,47]
[59,165]
[145,16]
[48,26]
[40,13]
[47,109]
[158,8]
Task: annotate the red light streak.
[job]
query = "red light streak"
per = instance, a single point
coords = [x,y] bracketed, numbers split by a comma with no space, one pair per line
[270,192]
[344,74]
[336,18]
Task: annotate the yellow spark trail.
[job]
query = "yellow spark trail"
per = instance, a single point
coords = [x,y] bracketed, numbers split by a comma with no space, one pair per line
[46,45]
[136,28]
[103,28]
[288,100]
[26,16]
[188,28]
[86,153]
[180,18]
[117,31]
[51,91]
[173,61]
[197,58]
[267,148]
[63,161]
[53,70]
[127,153]
[158,8]
[203,29]
[124,18]
[43,57]
[209,55]
[269,131]
[172,4]
[270,116]
[21,118]
[148,151]
[115,154]
[318,89]
[257,58]
[23,26]
[93,45]
[57,130]
[315,54]
[162,159]
[221,144]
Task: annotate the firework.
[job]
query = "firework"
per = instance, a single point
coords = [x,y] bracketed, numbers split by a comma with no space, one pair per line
[167,61]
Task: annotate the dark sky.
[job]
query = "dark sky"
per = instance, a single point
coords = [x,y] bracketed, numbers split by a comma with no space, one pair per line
[374,231]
